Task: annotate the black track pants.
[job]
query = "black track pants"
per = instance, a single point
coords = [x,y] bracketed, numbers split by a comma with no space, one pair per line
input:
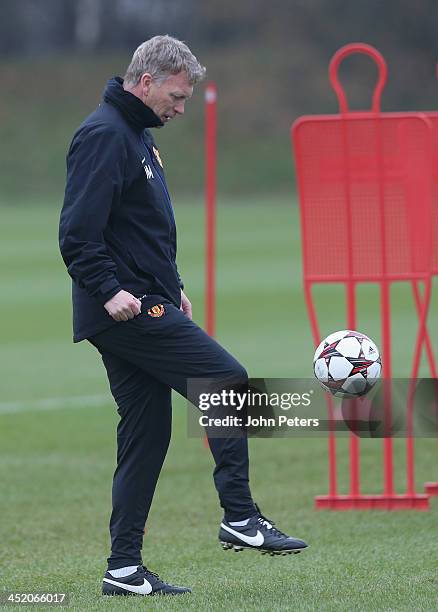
[145,358]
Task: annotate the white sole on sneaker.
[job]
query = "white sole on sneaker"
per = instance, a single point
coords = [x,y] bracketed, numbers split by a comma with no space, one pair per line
[263,551]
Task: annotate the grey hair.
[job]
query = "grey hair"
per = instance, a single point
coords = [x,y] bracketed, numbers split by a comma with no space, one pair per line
[162,56]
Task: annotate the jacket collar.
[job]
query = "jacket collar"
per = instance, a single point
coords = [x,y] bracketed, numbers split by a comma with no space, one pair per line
[135,112]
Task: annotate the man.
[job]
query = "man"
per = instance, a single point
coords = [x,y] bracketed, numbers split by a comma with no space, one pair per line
[118,241]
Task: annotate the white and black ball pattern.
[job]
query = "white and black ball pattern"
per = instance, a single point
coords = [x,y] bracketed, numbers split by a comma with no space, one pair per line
[347,363]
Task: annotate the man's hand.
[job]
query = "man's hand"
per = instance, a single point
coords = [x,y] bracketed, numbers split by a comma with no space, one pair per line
[123,306]
[186,305]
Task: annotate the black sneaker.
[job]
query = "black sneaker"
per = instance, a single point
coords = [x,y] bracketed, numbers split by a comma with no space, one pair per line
[259,534]
[141,582]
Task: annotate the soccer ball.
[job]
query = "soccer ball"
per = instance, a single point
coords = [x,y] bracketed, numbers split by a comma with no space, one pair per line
[347,363]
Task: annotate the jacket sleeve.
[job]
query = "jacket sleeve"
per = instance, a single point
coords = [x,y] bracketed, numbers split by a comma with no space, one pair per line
[181,284]
[95,170]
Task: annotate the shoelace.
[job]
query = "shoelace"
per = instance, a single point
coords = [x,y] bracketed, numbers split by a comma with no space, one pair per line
[268,524]
[148,571]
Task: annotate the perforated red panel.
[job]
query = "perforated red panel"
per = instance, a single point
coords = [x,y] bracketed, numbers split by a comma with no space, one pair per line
[433,117]
[364,184]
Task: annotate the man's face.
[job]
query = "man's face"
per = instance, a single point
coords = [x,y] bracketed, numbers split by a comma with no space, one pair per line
[167,98]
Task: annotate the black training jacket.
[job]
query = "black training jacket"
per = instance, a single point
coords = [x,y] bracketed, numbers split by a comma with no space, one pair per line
[117,228]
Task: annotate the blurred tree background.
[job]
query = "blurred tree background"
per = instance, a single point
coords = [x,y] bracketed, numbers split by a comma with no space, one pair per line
[269,60]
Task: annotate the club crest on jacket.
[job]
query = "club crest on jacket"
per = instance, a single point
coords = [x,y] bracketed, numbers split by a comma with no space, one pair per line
[157,155]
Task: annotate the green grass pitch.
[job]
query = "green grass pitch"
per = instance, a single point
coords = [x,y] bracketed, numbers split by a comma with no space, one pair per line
[57,438]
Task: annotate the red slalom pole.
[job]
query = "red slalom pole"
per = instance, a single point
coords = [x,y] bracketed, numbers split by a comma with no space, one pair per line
[210,212]
[210,207]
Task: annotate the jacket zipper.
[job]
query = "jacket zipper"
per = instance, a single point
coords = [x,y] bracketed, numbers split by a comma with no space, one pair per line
[163,184]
